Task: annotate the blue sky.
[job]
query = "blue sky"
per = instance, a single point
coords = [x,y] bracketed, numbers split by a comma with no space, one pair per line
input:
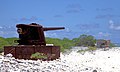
[100,18]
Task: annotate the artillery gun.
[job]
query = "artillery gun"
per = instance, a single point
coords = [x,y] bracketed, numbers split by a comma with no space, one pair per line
[32,40]
[33,34]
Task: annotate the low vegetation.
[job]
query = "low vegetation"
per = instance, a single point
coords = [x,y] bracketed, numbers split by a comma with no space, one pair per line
[6,42]
[92,48]
[65,43]
[89,49]
[38,55]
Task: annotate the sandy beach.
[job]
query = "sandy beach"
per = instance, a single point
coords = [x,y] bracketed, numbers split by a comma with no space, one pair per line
[96,61]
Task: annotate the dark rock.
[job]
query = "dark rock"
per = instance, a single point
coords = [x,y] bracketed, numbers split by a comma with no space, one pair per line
[113,67]
[108,57]
[86,68]
[94,70]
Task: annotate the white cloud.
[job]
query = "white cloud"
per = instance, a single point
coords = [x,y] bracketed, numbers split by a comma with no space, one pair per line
[104,34]
[7,31]
[67,30]
[50,34]
[100,33]
[112,25]
[1,27]
[1,32]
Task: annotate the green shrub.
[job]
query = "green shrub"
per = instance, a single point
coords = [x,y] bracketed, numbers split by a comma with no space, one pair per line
[89,49]
[79,51]
[64,43]
[1,50]
[38,55]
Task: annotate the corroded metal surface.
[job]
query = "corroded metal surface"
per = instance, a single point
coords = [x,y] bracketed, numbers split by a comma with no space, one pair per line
[25,51]
[9,49]
[32,40]
[33,34]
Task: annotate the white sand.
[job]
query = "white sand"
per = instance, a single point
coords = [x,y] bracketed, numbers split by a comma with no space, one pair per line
[97,61]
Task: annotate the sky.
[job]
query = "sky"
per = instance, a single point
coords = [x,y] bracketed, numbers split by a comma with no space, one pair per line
[100,18]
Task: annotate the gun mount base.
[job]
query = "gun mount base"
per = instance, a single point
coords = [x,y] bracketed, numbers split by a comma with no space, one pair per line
[26,51]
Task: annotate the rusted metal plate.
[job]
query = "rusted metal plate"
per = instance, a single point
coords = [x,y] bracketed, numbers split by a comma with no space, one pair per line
[9,50]
[43,49]
[21,56]
[25,51]
[56,51]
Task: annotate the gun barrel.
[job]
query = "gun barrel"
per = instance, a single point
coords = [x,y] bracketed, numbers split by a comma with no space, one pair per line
[53,28]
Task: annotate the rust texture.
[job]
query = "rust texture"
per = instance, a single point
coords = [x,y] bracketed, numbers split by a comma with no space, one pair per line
[33,34]
[32,40]
[25,51]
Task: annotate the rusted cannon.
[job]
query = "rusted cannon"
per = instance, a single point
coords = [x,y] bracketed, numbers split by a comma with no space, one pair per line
[31,41]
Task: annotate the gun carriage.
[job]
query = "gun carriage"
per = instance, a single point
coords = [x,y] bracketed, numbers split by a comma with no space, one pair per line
[32,40]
